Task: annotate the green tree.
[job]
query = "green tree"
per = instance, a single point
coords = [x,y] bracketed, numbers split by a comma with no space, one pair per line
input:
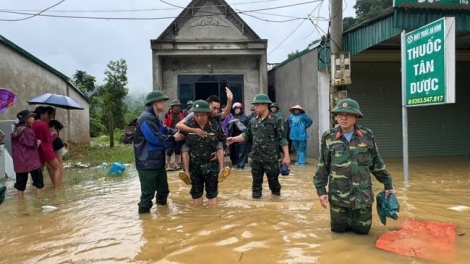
[365,10]
[135,105]
[293,54]
[84,81]
[113,93]
[348,23]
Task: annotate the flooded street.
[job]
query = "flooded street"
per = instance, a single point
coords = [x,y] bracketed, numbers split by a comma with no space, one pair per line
[97,221]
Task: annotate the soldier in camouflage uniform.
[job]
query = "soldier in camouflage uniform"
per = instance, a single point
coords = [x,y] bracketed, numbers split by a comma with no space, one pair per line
[348,156]
[268,133]
[204,172]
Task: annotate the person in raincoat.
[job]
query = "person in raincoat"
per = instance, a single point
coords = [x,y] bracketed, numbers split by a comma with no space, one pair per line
[298,124]
[348,156]
[150,139]
[236,126]
[24,145]
[172,117]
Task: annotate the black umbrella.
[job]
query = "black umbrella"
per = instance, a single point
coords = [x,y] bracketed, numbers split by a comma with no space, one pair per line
[57,100]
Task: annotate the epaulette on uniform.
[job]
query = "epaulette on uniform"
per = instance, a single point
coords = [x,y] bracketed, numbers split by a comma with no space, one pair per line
[366,130]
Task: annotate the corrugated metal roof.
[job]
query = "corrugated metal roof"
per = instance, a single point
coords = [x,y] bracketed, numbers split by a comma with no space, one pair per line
[390,24]
[435,5]
[41,63]
[412,18]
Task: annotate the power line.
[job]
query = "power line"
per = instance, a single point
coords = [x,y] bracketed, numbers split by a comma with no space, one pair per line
[262,9]
[144,18]
[172,17]
[126,10]
[34,15]
[291,32]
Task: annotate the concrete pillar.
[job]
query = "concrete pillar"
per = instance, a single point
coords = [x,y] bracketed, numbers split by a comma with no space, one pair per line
[263,73]
[323,102]
[157,71]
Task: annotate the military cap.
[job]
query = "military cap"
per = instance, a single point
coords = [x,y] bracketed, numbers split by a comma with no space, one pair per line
[347,106]
[200,106]
[155,95]
[261,99]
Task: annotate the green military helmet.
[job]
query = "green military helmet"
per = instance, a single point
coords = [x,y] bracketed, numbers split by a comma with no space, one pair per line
[274,105]
[190,102]
[200,106]
[347,106]
[261,99]
[155,95]
[175,102]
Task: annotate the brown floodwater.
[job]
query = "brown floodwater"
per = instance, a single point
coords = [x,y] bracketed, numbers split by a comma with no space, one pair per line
[96,221]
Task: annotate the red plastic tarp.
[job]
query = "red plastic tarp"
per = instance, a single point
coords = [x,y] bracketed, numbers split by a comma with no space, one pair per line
[422,239]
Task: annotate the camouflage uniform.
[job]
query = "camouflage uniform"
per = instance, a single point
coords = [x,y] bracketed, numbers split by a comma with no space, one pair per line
[347,167]
[203,171]
[267,135]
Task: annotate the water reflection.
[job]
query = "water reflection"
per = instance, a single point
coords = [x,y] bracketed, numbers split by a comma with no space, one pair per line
[97,221]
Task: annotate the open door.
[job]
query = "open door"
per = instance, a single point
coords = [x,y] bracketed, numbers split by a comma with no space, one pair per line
[205,89]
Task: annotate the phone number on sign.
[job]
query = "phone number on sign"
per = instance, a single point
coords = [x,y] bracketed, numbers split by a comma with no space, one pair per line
[426,100]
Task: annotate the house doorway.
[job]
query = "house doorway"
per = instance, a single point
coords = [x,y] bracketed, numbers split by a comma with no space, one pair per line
[199,87]
[205,89]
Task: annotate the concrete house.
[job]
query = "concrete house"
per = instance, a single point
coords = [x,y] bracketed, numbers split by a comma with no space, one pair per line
[28,77]
[436,130]
[206,48]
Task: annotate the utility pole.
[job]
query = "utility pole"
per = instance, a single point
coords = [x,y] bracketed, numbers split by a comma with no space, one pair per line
[336,45]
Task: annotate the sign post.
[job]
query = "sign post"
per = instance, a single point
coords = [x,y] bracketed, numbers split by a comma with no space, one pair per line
[430,63]
[428,70]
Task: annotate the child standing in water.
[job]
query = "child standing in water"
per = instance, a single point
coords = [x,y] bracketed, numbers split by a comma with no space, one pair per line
[26,161]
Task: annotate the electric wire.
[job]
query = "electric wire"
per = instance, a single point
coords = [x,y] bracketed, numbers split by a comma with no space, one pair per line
[127,10]
[282,42]
[244,12]
[34,15]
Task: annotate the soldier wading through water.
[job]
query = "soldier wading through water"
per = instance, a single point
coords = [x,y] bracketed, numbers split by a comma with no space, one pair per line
[268,134]
[348,156]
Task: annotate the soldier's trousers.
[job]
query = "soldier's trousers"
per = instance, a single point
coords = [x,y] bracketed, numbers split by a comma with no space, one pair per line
[204,176]
[258,169]
[346,219]
[152,181]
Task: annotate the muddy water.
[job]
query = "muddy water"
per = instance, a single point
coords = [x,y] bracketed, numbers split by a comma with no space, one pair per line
[97,221]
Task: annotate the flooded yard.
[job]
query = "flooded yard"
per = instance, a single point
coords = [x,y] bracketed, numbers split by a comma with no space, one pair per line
[96,220]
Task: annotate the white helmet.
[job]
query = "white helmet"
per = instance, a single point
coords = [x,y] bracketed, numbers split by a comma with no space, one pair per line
[237,105]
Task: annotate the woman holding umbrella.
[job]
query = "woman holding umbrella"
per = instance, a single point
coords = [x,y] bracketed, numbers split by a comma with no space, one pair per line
[46,153]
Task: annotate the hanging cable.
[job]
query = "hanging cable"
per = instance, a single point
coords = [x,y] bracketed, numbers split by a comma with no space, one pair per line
[292,32]
[34,15]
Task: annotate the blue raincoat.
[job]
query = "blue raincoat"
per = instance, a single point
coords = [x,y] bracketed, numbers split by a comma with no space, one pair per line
[298,126]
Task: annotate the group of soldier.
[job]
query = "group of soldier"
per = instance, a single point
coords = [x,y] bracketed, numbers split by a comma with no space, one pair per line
[348,156]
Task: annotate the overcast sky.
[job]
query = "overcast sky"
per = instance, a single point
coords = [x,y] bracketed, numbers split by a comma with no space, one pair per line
[70,44]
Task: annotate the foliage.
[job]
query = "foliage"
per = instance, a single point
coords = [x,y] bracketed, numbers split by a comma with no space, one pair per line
[112,96]
[113,93]
[84,81]
[293,54]
[98,151]
[135,106]
[365,10]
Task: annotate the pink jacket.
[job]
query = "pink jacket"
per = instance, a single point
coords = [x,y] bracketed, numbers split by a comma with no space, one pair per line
[24,149]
